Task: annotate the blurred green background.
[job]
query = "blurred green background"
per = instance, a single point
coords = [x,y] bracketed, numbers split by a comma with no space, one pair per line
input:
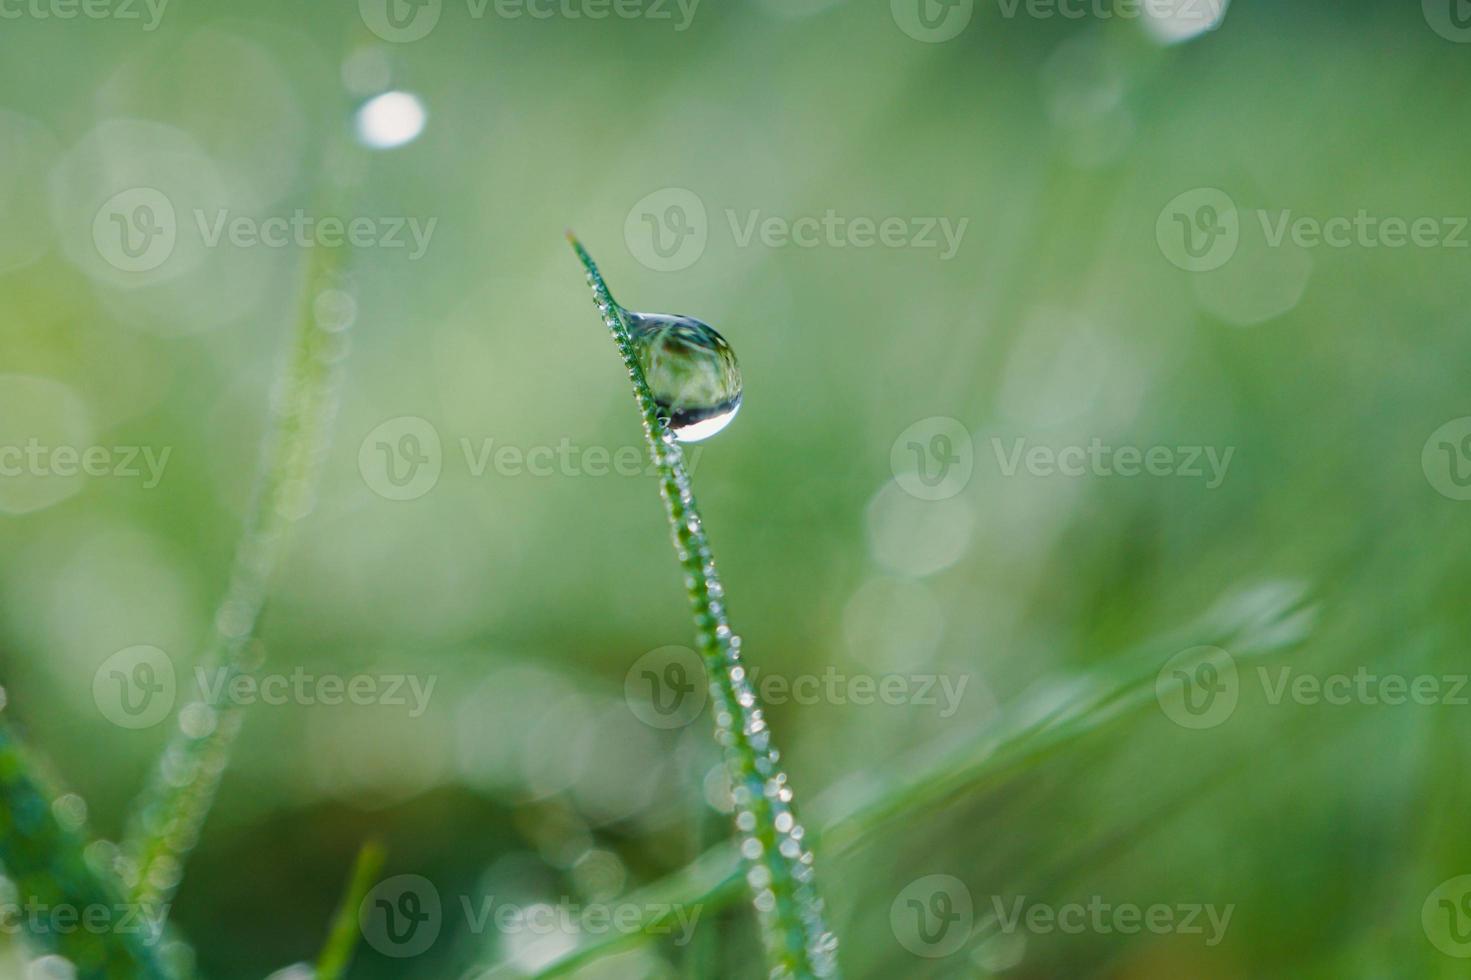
[1071,155]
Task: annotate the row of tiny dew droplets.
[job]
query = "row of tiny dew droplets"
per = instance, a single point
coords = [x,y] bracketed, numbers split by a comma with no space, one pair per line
[304,401]
[780,869]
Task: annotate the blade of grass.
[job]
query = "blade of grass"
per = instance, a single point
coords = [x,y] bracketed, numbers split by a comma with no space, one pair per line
[778,859]
[703,955]
[1059,712]
[167,817]
[45,860]
[343,938]
[1065,708]
[711,881]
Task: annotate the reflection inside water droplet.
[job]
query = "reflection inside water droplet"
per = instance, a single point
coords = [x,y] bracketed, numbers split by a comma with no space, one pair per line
[691,371]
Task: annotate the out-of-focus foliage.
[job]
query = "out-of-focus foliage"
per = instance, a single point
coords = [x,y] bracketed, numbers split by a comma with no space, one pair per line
[489,567]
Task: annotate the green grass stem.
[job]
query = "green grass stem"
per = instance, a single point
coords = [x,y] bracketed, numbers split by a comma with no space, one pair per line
[773,846]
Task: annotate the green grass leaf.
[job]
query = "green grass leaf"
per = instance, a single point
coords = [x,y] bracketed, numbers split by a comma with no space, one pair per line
[167,817]
[343,938]
[1059,712]
[45,861]
[777,857]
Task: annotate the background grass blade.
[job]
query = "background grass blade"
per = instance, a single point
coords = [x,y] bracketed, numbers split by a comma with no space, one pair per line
[44,859]
[343,938]
[167,818]
[1059,712]
[778,859]
[1064,709]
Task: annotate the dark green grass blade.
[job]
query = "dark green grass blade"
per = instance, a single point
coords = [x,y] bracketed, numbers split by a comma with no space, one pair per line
[1059,713]
[343,939]
[166,820]
[45,861]
[778,858]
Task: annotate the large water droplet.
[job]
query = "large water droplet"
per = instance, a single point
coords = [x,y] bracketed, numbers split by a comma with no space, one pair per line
[691,371]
